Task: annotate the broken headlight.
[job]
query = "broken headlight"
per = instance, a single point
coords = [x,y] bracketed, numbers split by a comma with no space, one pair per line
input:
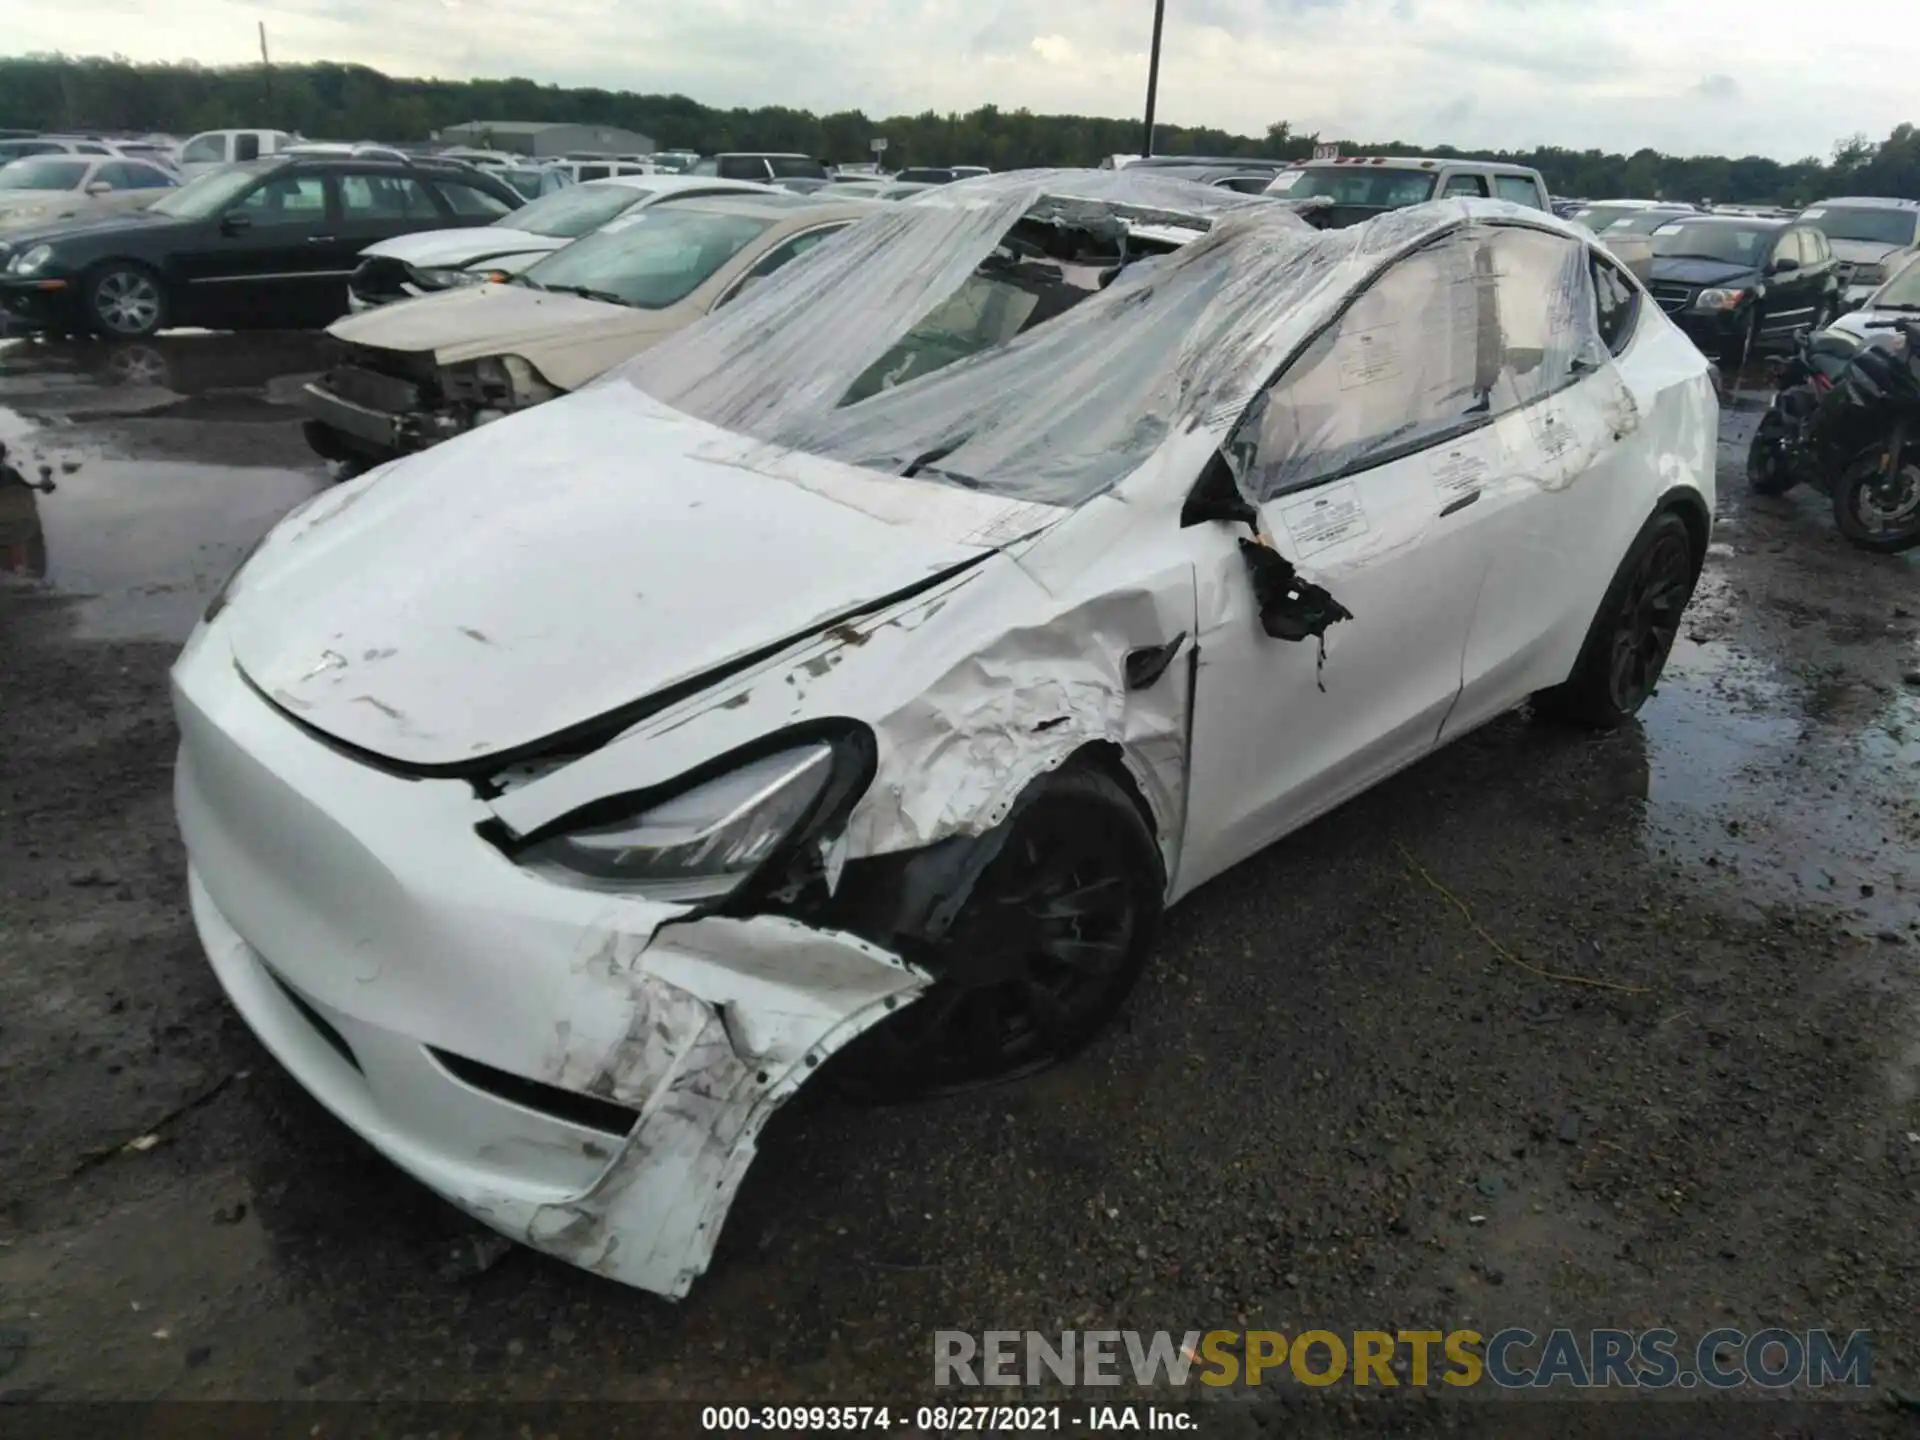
[507,382]
[444,279]
[702,843]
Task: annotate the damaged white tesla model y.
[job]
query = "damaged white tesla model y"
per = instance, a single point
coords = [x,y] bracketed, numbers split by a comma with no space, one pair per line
[846,681]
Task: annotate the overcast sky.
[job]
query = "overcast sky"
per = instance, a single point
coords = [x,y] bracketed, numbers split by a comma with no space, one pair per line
[1698,76]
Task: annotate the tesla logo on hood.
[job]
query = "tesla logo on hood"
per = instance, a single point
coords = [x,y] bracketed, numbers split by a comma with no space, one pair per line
[329,660]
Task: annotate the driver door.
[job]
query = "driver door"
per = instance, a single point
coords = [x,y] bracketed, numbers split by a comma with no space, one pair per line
[1366,457]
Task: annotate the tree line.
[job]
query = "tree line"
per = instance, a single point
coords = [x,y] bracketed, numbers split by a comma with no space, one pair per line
[352,102]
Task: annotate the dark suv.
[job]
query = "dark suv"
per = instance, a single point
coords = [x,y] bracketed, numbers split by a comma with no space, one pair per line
[1740,283]
[266,244]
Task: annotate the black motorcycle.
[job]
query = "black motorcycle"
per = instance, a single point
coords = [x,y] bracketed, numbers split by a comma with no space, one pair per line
[1846,420]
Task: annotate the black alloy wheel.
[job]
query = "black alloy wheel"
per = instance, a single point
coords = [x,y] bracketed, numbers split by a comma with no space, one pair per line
[1041,955]
[1648,619]
[1632,634]
[1767,469]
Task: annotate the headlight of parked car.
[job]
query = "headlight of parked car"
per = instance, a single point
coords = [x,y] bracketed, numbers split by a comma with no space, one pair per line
[701,843]
[1719,299]
[441,278]
[1868,274]
[30,262]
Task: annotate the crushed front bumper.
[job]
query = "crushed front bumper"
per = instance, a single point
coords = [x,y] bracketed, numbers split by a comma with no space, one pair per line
[584,1072]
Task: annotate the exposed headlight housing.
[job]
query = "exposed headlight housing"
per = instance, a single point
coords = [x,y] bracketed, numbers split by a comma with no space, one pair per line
[701,843]
[30,262]
[508,382]
[1719,299]
[1868,275]
[448,279]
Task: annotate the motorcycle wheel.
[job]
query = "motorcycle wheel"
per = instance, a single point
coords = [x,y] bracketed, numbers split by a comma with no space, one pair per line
[1876,513]
[1767,472]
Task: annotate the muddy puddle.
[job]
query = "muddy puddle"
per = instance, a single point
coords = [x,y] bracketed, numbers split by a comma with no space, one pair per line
[1789,772]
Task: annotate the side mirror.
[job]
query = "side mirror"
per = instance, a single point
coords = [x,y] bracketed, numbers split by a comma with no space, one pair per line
[1785,265]
[234,223]
[99,187]
[1290,608]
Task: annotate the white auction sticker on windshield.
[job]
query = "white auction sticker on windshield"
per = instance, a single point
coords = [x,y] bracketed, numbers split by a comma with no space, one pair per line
[1373,356]
[1324,518]
[1285,180]
[1457,471]
[1813,214]
[1673,229]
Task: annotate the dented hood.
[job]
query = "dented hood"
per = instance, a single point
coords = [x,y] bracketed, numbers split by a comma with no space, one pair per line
[547,569]
[462,247]
[567,338]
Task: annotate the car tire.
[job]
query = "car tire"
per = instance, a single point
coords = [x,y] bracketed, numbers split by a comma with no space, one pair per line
[1631,636]
[125,301]
[1041,954]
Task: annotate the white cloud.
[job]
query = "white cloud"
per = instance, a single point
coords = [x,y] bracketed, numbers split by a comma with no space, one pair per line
[1712,76]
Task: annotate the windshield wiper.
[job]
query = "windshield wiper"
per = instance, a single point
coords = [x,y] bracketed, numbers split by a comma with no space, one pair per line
[923,464]
[584,293]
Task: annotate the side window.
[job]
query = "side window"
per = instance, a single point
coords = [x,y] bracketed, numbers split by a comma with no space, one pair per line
[286,200]
[1787,247]
[1465,185]
[1397,370]
[207,150]
[1481,322]
[705,167]
[1616,302]
[246,146]
[781,254]
[744,167]
[592,172]
[470,203]
[1518,188]
[385,197]
[130,175]
[88,147]
[1821,250]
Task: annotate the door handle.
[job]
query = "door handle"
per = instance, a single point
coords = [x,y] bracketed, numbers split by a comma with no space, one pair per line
[321,239]
[1460,504]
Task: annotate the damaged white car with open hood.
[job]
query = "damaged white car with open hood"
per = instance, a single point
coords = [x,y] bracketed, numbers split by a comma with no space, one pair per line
[559,800]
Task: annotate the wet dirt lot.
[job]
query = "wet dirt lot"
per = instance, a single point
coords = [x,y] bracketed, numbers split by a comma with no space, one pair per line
[1346,1095]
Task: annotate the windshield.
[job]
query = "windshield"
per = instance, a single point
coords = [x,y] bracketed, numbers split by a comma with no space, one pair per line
[652,259]
[796,167]
[207,195]
[42,174]
[1733,244]
[1874,227]
[1900,293]
[1379,186]
[570,213]
[889,348]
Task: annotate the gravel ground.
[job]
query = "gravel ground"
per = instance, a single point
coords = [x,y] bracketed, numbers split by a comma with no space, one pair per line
[1550,1030]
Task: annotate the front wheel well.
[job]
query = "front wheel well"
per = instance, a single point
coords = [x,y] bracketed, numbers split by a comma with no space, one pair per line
[1692,509]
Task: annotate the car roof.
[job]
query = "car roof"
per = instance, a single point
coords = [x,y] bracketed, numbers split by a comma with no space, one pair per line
[1747,222]
[777,205]
[1868,202]
[761,155]
[1424,162]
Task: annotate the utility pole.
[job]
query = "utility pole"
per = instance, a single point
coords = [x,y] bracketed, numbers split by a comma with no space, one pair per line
[1153,73]
[266,69]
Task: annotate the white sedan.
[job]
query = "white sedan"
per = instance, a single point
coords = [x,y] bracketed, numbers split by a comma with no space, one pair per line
[559,800]
[429,261]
